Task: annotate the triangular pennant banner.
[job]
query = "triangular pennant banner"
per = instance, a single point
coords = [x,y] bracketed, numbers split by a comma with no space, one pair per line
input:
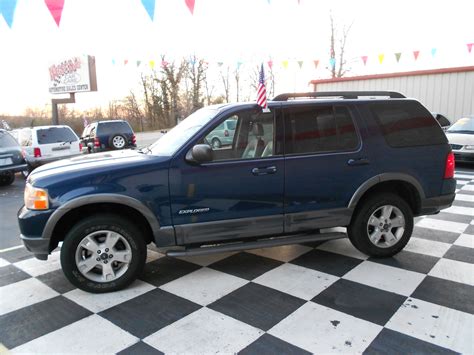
[113,61]
[469,47]
[381,58]
[270,64]
[364,59]
[55,7]
[7,9]
[164,63]
[238,65]
[149,6]
[220,64]
[416,54]
[332,62]
[190,5]
[316,63]
[139,62]
[300,63]
[433,52]
[397,56]
[285,64]
[152,64]
[125,62]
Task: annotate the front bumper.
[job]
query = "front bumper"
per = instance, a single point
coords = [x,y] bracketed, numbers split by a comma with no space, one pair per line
[32,223]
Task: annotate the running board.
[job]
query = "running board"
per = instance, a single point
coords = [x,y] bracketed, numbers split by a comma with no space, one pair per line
[262,243]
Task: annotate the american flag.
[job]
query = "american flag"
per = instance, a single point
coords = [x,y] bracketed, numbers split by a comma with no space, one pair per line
[261,91]
[84,120]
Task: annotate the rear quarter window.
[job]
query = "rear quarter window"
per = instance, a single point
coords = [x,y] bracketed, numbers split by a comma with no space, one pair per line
[55,135]
[407,124]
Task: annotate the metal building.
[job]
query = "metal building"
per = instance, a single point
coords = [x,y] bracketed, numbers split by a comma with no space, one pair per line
[448,91]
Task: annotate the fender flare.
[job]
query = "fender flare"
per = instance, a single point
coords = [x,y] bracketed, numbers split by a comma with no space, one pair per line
[375,180]
[100,198]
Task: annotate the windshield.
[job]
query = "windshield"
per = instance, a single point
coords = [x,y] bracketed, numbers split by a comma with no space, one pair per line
[175,138]
[463,125]
[6,140]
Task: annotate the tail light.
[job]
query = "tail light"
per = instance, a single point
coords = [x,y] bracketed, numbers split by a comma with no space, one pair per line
[96,142]
[37,152]
[134,139]
[449,167]
[80,147]
[226,133]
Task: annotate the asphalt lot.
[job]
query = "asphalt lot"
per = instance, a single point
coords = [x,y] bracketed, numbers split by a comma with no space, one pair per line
[11,200]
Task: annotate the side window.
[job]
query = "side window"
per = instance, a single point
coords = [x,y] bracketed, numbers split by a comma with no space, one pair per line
[244,136]
[320,129]
[407,124]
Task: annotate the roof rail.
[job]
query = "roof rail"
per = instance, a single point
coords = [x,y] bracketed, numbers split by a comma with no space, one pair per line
[340,94]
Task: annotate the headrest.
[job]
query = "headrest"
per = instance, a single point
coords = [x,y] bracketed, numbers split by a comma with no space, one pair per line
[257,129]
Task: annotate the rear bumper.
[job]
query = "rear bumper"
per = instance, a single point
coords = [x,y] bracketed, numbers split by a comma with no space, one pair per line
[35,162]
[435,204]
[14,168]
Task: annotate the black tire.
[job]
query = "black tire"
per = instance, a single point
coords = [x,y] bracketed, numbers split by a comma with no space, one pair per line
[108,222]
[359,228]
[113,143]
[216,143]
[7,178]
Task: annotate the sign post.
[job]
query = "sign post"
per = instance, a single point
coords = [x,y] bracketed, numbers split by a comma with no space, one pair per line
[69,76]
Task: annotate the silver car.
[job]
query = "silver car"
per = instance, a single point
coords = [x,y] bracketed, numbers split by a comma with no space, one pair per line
[461,138]
[223,134]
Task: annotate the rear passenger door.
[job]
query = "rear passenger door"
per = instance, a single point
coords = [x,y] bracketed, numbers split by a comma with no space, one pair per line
[325,163]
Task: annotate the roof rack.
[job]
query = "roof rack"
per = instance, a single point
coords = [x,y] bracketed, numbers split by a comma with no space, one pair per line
[339,94]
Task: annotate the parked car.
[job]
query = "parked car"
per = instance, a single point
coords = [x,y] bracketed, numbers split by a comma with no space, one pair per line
[108,135]
[305,164]
[223,134]
[11,158]
[461,138]
[45,144]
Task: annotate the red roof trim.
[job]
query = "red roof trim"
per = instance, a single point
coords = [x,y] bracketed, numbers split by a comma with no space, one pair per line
[395,75]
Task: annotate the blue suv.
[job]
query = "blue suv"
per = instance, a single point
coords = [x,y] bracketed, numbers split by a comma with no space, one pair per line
[368,161]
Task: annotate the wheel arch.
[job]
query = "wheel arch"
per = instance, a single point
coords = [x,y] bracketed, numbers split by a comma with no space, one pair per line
[71,212]
[404,185]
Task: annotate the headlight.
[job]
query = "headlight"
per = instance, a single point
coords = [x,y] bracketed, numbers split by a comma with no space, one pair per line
[469,147]
[36,198]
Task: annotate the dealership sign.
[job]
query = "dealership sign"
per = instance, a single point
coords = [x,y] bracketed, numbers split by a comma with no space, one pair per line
[73,74]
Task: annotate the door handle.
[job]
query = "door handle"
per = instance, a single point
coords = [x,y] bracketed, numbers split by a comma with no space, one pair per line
[359,161]
[264,171]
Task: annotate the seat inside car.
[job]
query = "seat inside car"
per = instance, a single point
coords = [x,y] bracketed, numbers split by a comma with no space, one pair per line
[255,143]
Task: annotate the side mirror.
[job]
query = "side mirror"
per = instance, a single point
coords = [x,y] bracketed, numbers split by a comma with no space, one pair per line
[200,153]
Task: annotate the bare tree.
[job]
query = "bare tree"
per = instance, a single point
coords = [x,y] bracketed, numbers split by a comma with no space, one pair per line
[226,82]
[338,63]
[196,73]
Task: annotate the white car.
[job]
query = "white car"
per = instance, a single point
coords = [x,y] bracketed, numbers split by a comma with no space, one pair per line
[461,137]
[45,144]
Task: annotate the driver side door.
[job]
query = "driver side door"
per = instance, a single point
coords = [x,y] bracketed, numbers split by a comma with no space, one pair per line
[239,193]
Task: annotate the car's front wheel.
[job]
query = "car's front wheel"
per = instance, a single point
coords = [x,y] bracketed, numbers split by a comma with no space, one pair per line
[382,225]
[103,253]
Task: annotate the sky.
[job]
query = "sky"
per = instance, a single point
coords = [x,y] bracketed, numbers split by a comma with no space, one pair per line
[229,31]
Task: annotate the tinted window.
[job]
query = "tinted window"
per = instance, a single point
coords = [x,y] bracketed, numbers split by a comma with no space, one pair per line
[407,124]
[55,135]
[6,140]
[320,129]
[231,124]
[114,127]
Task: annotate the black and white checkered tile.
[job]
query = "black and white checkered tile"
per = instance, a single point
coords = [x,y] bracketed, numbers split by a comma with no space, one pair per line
[324,298]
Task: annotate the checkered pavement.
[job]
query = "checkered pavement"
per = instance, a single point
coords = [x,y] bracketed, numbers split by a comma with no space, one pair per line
[321,297]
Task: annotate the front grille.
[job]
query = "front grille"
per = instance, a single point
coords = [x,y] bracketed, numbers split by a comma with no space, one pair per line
[456,146]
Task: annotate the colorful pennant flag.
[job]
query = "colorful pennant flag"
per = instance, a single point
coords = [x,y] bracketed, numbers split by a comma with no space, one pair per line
[397,56]
[151,63]
[238,65]
[139,62]
[469,47]
[381,58]
[7,10]
[125,62]
[164,63]
[300,64]
[190,5]
[364,59]
[433,52]
[332,62]
[55,7]
[285,64]
[220,64]
[261,90]
[113,61]
[416,54]
[316,63]
[149,6]
[270,64]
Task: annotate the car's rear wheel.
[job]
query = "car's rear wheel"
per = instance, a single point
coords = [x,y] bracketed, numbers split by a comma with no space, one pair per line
[118,142]
[7,178]
[382,225]
[103,253]
[216,143]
